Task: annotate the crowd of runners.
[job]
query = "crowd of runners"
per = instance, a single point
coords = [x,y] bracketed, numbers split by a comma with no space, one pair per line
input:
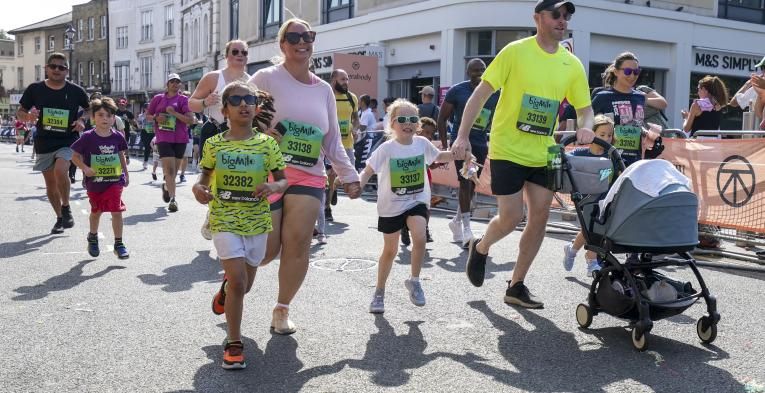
[271,164]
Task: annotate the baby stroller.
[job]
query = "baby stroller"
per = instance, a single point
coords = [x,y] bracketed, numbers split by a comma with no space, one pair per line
[636,223]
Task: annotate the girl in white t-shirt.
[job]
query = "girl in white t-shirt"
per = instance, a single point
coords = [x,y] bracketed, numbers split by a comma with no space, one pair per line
[403,194]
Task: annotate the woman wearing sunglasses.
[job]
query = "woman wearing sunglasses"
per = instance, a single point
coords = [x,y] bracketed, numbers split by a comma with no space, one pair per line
[305,123]
[626,105]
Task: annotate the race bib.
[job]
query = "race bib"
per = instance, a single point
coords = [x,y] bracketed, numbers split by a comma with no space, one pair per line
[168,124]
[537,115]
[237,175]
[55,119]
[483,120]
[407,175]
[345,127]
[627,137]
[108,167]
[301,144]
[149,127]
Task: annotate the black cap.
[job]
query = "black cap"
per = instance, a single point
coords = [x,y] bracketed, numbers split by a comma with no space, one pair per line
[549,5]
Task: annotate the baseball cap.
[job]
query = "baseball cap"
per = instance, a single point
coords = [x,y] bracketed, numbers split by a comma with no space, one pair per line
[761,63]
[543,5]
[172,76]
[428,90]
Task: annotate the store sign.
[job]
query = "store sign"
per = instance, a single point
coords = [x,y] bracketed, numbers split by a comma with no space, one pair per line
[362,72]
[324,63]
[723,63]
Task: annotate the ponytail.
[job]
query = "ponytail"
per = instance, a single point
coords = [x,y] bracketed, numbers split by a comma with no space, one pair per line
[609,75]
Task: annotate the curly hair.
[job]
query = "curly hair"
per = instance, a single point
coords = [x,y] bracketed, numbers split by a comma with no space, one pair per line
[264,117]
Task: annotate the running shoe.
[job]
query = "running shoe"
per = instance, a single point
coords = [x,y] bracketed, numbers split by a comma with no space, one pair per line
[476,264]
[428,237]
[93,249]
[328,215]
[58,227]
[183,179]
[205,230]
[467,236]
[405,239]
[121,251]
[154,176]
[454,226]
[219,300]
[378,302]
[333,200]
[145,165]
[520,295]
[592,267]
[280,322]
[568,257]
[416,295]
[173,206]
[165,194]
[72,179]
[321,238]
[233,356]
[66,214]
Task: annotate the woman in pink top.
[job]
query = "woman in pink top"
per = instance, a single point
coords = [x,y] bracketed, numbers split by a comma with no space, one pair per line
[171,114]
[305,123]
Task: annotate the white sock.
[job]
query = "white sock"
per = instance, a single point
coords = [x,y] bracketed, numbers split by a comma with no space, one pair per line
[284,306]
[457,216]
[414,279]
[466,220]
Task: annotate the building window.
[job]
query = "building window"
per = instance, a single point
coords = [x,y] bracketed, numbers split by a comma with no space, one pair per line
[91,28]
[272,17]
[145,72]
[122,37]
[206,35]
[79,73]
[38,44]
[80,26]
[20,74]
[20,50]
[51,43]
[195,39]
[168,61]
[38,73]
[337,10]
[234,22]
[104,27]
[104,73]
[485,44]
[121,77]
[91,73]
[146,26]
[186,38]
[742,10]
[169,20]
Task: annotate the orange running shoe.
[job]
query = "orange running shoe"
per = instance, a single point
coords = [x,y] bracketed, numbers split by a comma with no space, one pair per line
[233,356]
[219,300]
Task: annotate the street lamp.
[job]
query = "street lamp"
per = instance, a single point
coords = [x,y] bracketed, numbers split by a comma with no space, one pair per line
[69,33]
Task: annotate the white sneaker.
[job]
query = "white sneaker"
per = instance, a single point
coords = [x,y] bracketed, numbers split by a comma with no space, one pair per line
[456,231]
[205,230]
[378,302]
[467,236]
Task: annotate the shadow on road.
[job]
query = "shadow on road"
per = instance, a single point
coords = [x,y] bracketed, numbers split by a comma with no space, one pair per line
[457,265]
[547,359]
[62,282]
[21,247]
[159,213]
[181,277]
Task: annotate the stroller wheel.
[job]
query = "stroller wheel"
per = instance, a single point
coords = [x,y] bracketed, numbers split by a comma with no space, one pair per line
[583,316]
[640,343]
[706,330]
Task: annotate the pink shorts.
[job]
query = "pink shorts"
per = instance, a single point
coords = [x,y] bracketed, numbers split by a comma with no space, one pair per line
[301,180]
[108,201]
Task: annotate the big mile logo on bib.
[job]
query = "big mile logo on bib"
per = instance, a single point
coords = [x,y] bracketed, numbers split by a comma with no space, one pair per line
[301,144]
[407,175]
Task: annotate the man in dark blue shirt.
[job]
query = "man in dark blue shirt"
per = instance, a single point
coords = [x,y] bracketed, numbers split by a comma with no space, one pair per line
[452,109]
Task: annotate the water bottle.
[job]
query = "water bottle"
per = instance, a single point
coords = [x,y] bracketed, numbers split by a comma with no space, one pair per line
[554,167]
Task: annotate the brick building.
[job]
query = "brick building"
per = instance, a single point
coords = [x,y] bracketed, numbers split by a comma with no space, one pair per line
[90,57]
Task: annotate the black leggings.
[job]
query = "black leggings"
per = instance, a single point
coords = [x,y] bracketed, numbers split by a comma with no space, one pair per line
[146,143]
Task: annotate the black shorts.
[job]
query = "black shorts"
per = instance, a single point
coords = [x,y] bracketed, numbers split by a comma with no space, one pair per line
[507,177]
[317,193]
[167,149]
[395,224]
[480,152]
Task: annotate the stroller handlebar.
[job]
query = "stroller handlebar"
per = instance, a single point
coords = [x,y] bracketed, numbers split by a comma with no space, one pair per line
[613,153]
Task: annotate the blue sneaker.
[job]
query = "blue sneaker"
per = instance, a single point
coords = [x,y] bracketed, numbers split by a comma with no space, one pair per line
[569,257]
[592,267]
[416,295]
[93,250]
[121,251]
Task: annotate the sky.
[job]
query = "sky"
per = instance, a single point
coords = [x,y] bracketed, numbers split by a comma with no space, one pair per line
[19,13]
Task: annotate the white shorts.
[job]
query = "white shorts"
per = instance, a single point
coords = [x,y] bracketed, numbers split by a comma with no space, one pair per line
[250,247]
[189,150]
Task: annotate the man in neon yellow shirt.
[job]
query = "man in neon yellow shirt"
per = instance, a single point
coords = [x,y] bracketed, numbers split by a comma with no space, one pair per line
[535,75]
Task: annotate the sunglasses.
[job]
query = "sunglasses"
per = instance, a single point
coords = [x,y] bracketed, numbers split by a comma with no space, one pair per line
[556,14]
[58,67]
[407,119]
[236,52]
[631,71]
[248,99]
[294,38]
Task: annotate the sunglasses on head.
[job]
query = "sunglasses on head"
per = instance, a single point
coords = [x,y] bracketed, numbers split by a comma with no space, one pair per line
[556,14]
[236,52]
[58,67]
[631,71]
[248,99]
[294,38]
[407,119]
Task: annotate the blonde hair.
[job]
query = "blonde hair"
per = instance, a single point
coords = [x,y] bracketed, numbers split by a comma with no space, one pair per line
[393,110]
[279,59]
[237,41]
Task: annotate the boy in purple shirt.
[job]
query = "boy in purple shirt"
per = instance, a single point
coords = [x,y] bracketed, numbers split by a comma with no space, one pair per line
[100,154]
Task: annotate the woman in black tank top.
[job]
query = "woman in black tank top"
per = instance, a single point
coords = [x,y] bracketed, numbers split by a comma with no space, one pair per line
[706,112]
